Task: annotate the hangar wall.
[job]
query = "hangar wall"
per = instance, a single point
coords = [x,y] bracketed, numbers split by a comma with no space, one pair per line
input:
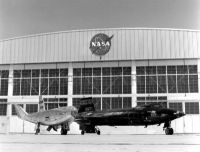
[134,48]
[127,44]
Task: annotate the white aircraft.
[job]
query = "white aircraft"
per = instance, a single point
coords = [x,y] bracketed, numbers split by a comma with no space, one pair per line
[54,118]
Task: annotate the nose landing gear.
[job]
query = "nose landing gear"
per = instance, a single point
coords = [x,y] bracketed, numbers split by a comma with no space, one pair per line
[37,131]
[168,129]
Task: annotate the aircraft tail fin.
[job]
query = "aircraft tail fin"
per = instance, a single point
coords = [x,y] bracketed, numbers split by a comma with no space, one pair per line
[20,112]
[41,104]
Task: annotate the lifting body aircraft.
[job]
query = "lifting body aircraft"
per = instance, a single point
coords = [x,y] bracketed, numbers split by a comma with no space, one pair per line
[145,115]
[54,118]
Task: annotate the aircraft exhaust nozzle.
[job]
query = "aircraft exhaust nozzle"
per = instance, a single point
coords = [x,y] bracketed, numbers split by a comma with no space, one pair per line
[179,114]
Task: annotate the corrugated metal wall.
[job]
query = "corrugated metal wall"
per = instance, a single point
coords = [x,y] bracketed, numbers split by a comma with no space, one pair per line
[127,44]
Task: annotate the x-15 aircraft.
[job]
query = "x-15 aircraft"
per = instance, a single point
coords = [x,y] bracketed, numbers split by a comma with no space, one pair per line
[145,115]
[54,118]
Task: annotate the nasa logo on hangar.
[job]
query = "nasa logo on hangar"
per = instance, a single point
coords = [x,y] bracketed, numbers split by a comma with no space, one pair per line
[100,44]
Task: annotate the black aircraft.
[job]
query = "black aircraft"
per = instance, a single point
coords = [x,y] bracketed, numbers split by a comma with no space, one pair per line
[145,115]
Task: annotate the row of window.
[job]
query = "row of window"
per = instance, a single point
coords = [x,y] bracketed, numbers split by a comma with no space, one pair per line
[106,80]
[176,79]
[115,80]
[45,81]
[179,69]
[34,73]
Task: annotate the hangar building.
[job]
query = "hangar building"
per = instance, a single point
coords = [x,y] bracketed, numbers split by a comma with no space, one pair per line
[119,68]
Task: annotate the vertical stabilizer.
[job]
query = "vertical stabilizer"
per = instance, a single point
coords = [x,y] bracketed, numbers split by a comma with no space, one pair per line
[20,112]
[41,104]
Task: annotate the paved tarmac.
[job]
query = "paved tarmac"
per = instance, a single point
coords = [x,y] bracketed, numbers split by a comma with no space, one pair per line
[102,143]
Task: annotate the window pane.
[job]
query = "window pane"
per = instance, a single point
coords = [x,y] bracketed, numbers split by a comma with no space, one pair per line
[193,83]
[140,70]
[44,86]
[3,87]
[25,86]
[176,106]
[116,85]
[63,102]
[172,84]
[97,72]
[76,85]
[151,84]
[35,87]
[16,87]
[192,69]
[171,69]
[192,107]
[96,85]
[31,108]
[53,86]
[116,71]
[162,84]
[182,69]
[106,85]
[117,103]
[63,86]
[35,73]
[97,103]
[17,73]
[161,69]
[126,70]
[127,103]
[4,74]
[106,103]
[127,85]
[140,84]
[87,71]
[26,73]
[140,98]
[87,85]
[182,82]
[76,102]
[77,72]
[3,107]
[44,73]
[63,72]
[151,70]
[53,72]
[106,71]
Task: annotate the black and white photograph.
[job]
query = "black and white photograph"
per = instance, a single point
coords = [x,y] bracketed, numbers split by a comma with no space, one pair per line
[99,75]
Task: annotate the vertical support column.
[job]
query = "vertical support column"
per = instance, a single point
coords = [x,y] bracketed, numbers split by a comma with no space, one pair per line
[70,84]
[198,72]
[10,93]
[133,83]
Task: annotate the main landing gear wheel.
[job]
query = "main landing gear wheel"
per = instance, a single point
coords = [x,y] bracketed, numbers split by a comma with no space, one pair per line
[97,130]
[169,131]
[63,131]
[82,132]
[37,131]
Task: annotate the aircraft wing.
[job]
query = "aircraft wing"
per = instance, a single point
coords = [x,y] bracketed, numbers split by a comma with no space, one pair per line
[52,117]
